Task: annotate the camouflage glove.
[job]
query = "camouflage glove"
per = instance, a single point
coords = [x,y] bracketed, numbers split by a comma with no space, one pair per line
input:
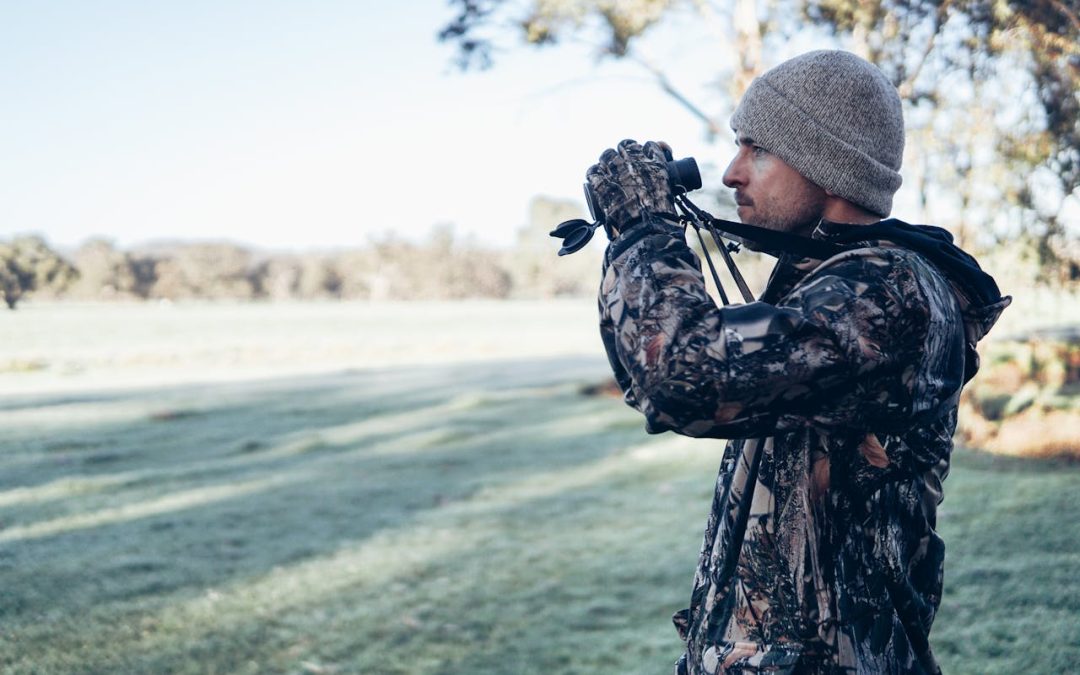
[630,181]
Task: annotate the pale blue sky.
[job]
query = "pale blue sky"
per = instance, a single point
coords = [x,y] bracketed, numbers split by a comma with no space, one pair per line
[301,124]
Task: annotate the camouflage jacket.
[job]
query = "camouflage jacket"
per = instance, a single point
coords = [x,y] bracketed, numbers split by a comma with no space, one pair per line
[841,382]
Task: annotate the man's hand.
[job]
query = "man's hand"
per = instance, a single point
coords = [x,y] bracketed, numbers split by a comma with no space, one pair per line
[629,180]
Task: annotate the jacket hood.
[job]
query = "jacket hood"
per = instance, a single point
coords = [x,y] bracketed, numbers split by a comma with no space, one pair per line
[981,302]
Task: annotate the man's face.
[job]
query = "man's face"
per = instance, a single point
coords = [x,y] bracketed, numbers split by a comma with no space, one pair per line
[770,193]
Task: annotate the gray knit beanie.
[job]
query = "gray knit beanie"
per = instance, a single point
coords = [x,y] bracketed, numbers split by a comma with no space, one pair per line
[835,119]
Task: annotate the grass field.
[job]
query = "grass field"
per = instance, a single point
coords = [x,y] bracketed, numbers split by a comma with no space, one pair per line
[406,489]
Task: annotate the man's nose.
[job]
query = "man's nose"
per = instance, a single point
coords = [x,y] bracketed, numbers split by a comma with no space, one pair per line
[734,176]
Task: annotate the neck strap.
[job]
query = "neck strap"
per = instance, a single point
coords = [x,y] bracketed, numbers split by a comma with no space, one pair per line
[780,242]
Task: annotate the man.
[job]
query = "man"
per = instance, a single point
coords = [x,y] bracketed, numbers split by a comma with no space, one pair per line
[842,381]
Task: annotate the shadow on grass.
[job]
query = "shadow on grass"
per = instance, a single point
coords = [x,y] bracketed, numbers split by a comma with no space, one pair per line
[479,519]
[255,479]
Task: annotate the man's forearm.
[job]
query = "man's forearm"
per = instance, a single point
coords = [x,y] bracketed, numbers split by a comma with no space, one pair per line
[741,370]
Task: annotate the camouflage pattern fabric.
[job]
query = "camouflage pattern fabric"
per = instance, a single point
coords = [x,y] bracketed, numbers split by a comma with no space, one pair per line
[820,554]
[629,182]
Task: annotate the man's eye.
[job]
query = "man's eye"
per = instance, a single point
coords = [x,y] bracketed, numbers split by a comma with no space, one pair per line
[758,150]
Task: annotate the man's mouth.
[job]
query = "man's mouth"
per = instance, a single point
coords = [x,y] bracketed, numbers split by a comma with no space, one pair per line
[740,200]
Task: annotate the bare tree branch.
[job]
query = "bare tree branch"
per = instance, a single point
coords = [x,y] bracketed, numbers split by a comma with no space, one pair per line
[907,87]
[1069,14]
[712,126]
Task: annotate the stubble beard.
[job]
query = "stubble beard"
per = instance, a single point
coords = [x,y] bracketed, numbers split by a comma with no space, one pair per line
[799,214]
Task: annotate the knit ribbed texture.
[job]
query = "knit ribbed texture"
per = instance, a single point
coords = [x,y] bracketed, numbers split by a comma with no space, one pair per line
[835,119]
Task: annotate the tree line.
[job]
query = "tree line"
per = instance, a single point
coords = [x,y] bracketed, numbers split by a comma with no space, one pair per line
[445,266]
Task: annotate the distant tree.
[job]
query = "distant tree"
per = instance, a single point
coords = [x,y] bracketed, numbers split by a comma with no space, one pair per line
[29,265]
[205,270]
[355,271]
[442,268]
[532,269]
[107,273]
[454,268]
[277,277]
[319,277]
[991,87]
[15,279]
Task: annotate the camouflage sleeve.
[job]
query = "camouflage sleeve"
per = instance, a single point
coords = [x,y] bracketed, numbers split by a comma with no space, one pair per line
[836,352]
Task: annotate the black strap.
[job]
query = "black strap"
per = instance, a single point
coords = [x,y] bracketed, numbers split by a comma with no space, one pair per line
[781,241]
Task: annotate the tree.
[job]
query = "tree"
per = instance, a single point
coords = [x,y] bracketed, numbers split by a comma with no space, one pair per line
[277,277]
[990,87]
[442,268]
[319,277]
[29,265]
[205,270]
[15,278]
[106,273]
[530,263]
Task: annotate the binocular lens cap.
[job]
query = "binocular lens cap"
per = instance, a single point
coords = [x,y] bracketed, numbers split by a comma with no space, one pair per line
[574,233]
